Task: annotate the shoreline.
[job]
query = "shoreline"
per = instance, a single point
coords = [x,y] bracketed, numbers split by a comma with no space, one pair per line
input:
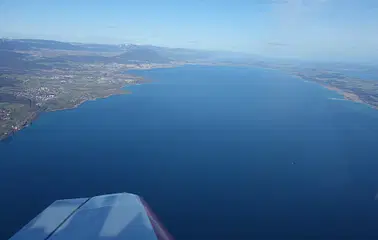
[25,123]
[119,91]
[29,120]
[92,99]
[349,96]
[33,116]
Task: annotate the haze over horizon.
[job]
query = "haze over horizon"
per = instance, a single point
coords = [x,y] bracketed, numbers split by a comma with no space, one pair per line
[307,29]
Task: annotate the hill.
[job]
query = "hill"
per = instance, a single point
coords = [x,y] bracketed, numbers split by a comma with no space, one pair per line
[141,55]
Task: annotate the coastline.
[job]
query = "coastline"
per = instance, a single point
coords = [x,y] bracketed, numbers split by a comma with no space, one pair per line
[25,123]
[34,115]
[115,93]
[119,91]
[349,96]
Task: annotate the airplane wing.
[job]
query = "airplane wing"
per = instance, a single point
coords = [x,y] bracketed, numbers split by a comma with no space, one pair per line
[107,217]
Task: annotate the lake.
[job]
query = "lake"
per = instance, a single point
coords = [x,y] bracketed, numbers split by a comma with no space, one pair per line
[211,149]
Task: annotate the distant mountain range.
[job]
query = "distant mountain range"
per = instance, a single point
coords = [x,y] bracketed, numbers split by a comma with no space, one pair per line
[33,44]
[142,55]
[123,53]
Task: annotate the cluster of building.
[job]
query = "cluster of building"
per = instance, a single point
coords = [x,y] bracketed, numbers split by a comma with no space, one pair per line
[40,94]
[62,77]
[5,114]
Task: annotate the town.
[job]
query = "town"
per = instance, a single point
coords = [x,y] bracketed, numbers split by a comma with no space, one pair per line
[58,88]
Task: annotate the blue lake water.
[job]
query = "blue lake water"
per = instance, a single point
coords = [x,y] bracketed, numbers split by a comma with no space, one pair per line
[211,150]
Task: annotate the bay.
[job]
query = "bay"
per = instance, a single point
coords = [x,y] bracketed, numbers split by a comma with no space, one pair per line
[211,150]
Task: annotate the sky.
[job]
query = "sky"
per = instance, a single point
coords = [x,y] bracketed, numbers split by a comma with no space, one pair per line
[309,29]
